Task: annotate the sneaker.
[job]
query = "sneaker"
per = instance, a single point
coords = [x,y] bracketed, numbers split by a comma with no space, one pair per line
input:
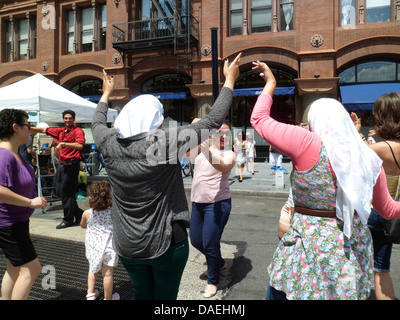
[93,295]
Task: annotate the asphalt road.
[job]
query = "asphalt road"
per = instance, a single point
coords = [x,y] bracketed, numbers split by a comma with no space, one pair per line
[253,228]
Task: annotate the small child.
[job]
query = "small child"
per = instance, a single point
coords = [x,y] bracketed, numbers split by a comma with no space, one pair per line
[98,242]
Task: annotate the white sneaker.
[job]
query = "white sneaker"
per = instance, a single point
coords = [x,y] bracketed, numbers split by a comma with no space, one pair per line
[93,295]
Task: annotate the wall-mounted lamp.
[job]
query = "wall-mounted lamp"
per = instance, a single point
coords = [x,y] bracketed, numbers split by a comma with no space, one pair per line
[316,76]
[117,2]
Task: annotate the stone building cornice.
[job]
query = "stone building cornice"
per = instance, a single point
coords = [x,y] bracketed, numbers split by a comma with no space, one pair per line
[317,85]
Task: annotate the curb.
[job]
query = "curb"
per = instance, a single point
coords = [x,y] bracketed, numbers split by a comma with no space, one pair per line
[266,194]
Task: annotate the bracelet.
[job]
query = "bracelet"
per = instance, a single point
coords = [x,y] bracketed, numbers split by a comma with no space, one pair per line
[363,138]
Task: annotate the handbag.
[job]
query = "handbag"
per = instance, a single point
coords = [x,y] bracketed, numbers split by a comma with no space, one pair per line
[391,228]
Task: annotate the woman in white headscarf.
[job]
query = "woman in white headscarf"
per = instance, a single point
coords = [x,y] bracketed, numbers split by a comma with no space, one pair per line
[150,210]
[327,254]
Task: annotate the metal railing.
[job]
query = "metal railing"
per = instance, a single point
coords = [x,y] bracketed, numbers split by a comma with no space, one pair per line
[154,29]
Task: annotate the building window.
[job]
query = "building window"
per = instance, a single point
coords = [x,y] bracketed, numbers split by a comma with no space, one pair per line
[236,13]
[70,32]
[86,29]
[103,27]
[354,12]
[256,16]
[20,38]
[348,13]
[287,9]
[377,10]
[88,88]
[373,71]
[260,16]
[9,44]
[23,40]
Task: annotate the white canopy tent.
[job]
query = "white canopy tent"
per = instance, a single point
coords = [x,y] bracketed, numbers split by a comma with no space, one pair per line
[49,100]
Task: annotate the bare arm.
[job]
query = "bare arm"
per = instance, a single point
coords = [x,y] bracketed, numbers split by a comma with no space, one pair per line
[84,219]
[38,130]
[268,76]
[10,197]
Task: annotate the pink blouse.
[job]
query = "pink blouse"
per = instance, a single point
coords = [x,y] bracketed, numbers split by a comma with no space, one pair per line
[209,185]
[303,147]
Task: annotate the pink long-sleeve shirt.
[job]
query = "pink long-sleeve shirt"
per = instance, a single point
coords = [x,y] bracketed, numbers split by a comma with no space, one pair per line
[303,147]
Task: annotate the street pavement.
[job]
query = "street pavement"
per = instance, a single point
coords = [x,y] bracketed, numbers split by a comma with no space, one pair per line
[248,242]
[254,188]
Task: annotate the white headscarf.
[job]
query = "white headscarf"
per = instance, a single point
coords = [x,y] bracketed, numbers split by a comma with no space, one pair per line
[355,165]
[142,114]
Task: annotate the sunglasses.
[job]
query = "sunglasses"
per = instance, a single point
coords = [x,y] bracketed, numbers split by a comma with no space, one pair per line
[28,125]
[225,132]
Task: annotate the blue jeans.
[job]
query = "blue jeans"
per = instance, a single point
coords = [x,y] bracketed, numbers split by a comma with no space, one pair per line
[273,294]
[382,247]
[207,223]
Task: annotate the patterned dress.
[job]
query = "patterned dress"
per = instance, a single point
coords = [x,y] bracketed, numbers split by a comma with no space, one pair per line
[315,260]
[98,241]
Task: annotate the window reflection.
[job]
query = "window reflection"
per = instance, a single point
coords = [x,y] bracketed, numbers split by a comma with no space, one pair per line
[378,10]
[88,88]
[348,13]
[373,71]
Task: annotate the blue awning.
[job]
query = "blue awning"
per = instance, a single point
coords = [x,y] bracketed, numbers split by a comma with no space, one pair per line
[362,96]
[245,92]
[166,95]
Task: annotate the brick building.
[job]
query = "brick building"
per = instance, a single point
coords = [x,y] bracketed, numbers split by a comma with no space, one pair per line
[347,49]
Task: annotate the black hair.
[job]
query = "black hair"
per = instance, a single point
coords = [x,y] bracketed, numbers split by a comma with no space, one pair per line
[72,113]
[8,117]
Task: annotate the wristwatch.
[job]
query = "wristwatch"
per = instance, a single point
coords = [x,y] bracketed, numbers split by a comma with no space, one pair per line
[63,144]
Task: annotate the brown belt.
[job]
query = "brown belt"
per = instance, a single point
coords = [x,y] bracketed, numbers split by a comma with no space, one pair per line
[317,213]
[68,161]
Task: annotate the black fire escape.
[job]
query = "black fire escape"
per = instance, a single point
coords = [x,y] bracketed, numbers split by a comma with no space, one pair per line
[174,27]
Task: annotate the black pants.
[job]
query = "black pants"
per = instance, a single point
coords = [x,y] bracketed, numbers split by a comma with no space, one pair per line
[66,187]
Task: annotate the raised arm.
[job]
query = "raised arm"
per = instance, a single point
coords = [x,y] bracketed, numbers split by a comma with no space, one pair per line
[192,135]
[99,121]
[301,145]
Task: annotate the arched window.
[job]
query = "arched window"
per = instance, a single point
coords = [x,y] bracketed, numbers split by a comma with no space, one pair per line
[372,71]
[248,87]
[252,79]
[88,88]
[171,90]
[168,82]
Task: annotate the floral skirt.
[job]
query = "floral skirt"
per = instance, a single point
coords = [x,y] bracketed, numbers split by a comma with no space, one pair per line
[315,261]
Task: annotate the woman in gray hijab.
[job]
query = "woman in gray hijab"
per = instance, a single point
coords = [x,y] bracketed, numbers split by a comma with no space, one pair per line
[149,202]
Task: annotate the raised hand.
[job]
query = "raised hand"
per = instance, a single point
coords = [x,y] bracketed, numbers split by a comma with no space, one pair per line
[267,75]
[231,71]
